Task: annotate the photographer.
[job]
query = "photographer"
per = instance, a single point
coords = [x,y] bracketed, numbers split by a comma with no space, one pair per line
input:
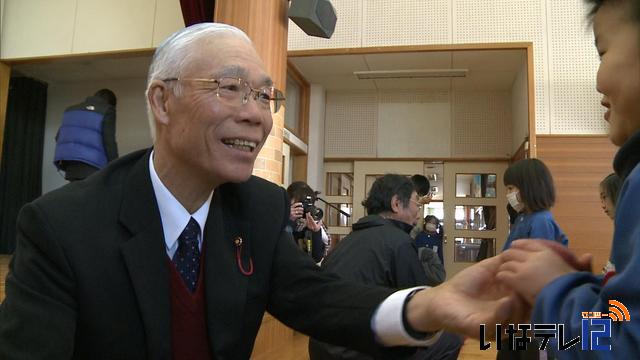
[305,220]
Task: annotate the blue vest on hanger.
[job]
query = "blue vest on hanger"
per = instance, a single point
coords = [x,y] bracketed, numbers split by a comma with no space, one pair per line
[80,138]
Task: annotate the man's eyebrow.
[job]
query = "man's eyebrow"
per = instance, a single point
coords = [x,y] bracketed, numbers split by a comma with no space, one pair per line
[231,71]
[240,72]
[265,80]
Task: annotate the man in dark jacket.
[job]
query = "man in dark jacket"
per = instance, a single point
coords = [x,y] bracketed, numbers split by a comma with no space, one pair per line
[86,140]
[379,251]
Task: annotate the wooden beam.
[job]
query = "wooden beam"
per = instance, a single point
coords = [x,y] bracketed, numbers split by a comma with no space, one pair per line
[531,94]
[5,76]
[409,48]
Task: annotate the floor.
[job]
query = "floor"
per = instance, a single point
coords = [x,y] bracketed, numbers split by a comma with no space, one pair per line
[298,351]
[4,265]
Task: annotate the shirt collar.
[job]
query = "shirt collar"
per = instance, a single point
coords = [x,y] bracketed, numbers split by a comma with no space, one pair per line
[173,215]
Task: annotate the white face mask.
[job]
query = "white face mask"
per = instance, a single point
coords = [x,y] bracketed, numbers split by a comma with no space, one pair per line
[430,227]
[512,198]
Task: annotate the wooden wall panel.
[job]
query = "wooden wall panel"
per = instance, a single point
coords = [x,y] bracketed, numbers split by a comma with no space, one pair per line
[5,78]
[4,269]
[578,164]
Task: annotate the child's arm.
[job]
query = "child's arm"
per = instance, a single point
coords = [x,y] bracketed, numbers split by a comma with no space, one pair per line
[566,297]
[529,265]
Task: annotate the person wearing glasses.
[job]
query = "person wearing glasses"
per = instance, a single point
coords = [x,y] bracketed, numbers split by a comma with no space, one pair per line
[379,251]
[177,251]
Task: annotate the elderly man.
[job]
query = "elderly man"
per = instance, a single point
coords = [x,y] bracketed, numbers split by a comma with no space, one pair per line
[177,251]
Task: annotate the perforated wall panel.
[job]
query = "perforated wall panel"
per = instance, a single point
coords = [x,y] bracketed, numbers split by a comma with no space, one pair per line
[351,120]
[407,22]
[573,63]
[348,32]
[508,20]
[481,124]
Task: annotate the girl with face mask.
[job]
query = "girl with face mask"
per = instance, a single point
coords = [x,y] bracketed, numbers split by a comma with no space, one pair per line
[531,193]
[431,236]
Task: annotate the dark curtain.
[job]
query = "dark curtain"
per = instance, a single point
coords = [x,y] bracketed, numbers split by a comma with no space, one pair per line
[21,168]
[197,11]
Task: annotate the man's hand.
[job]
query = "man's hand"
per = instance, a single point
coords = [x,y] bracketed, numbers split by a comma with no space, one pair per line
[529,265]
[470,298]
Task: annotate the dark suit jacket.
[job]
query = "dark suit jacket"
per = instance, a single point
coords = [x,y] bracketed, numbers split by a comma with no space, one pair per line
[89,277]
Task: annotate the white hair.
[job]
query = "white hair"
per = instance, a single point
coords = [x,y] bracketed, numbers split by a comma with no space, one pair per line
[174,54]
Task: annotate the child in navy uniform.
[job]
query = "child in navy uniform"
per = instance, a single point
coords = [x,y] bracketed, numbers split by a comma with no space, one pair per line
[531,193]
[559,291]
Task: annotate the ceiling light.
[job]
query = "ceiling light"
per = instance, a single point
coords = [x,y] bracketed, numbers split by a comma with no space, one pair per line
[411,74]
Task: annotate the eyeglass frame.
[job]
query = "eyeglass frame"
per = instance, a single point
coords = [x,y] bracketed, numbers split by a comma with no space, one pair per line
[277,100]
[417,202]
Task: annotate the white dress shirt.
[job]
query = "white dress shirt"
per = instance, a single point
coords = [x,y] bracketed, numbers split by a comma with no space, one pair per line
[386,322]
[173,215]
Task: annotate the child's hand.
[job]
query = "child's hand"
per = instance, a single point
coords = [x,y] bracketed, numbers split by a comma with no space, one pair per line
[529,265]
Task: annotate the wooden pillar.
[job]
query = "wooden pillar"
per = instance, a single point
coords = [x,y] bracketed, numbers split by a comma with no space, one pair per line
[5,76]
[265,22]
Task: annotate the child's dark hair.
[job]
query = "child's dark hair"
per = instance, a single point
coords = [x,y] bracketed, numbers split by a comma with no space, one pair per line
[533,179]
[634,7]
[421,184]
[383,190]
[431,217]
[611,187]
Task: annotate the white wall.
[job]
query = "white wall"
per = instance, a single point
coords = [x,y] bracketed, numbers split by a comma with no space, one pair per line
[132,129]
[417,124]
[315,156]
[1,17]
[564,56]
[519,109]
[44,28]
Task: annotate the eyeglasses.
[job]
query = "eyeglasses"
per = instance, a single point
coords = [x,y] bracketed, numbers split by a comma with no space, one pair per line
[236,91]
[417,203]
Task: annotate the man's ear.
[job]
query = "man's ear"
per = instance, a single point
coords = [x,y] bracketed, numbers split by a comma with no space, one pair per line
[396,205]
[158,96]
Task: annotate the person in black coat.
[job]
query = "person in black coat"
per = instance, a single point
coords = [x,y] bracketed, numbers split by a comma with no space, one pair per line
[379,251]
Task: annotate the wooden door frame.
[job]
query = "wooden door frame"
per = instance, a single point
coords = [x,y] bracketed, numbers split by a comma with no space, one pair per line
[526,46]
[5,77]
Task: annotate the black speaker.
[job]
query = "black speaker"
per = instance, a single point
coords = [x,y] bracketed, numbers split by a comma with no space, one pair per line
[314,17]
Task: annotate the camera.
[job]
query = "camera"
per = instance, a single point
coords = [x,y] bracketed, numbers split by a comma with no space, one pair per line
[308,206]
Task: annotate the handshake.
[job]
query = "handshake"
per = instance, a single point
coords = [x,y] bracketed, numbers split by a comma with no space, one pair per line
[498,290]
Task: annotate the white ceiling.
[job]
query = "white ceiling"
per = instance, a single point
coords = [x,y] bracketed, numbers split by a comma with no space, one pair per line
[488,69]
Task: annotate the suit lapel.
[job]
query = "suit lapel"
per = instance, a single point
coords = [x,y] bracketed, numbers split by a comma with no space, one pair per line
[145,257]
[226,286]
